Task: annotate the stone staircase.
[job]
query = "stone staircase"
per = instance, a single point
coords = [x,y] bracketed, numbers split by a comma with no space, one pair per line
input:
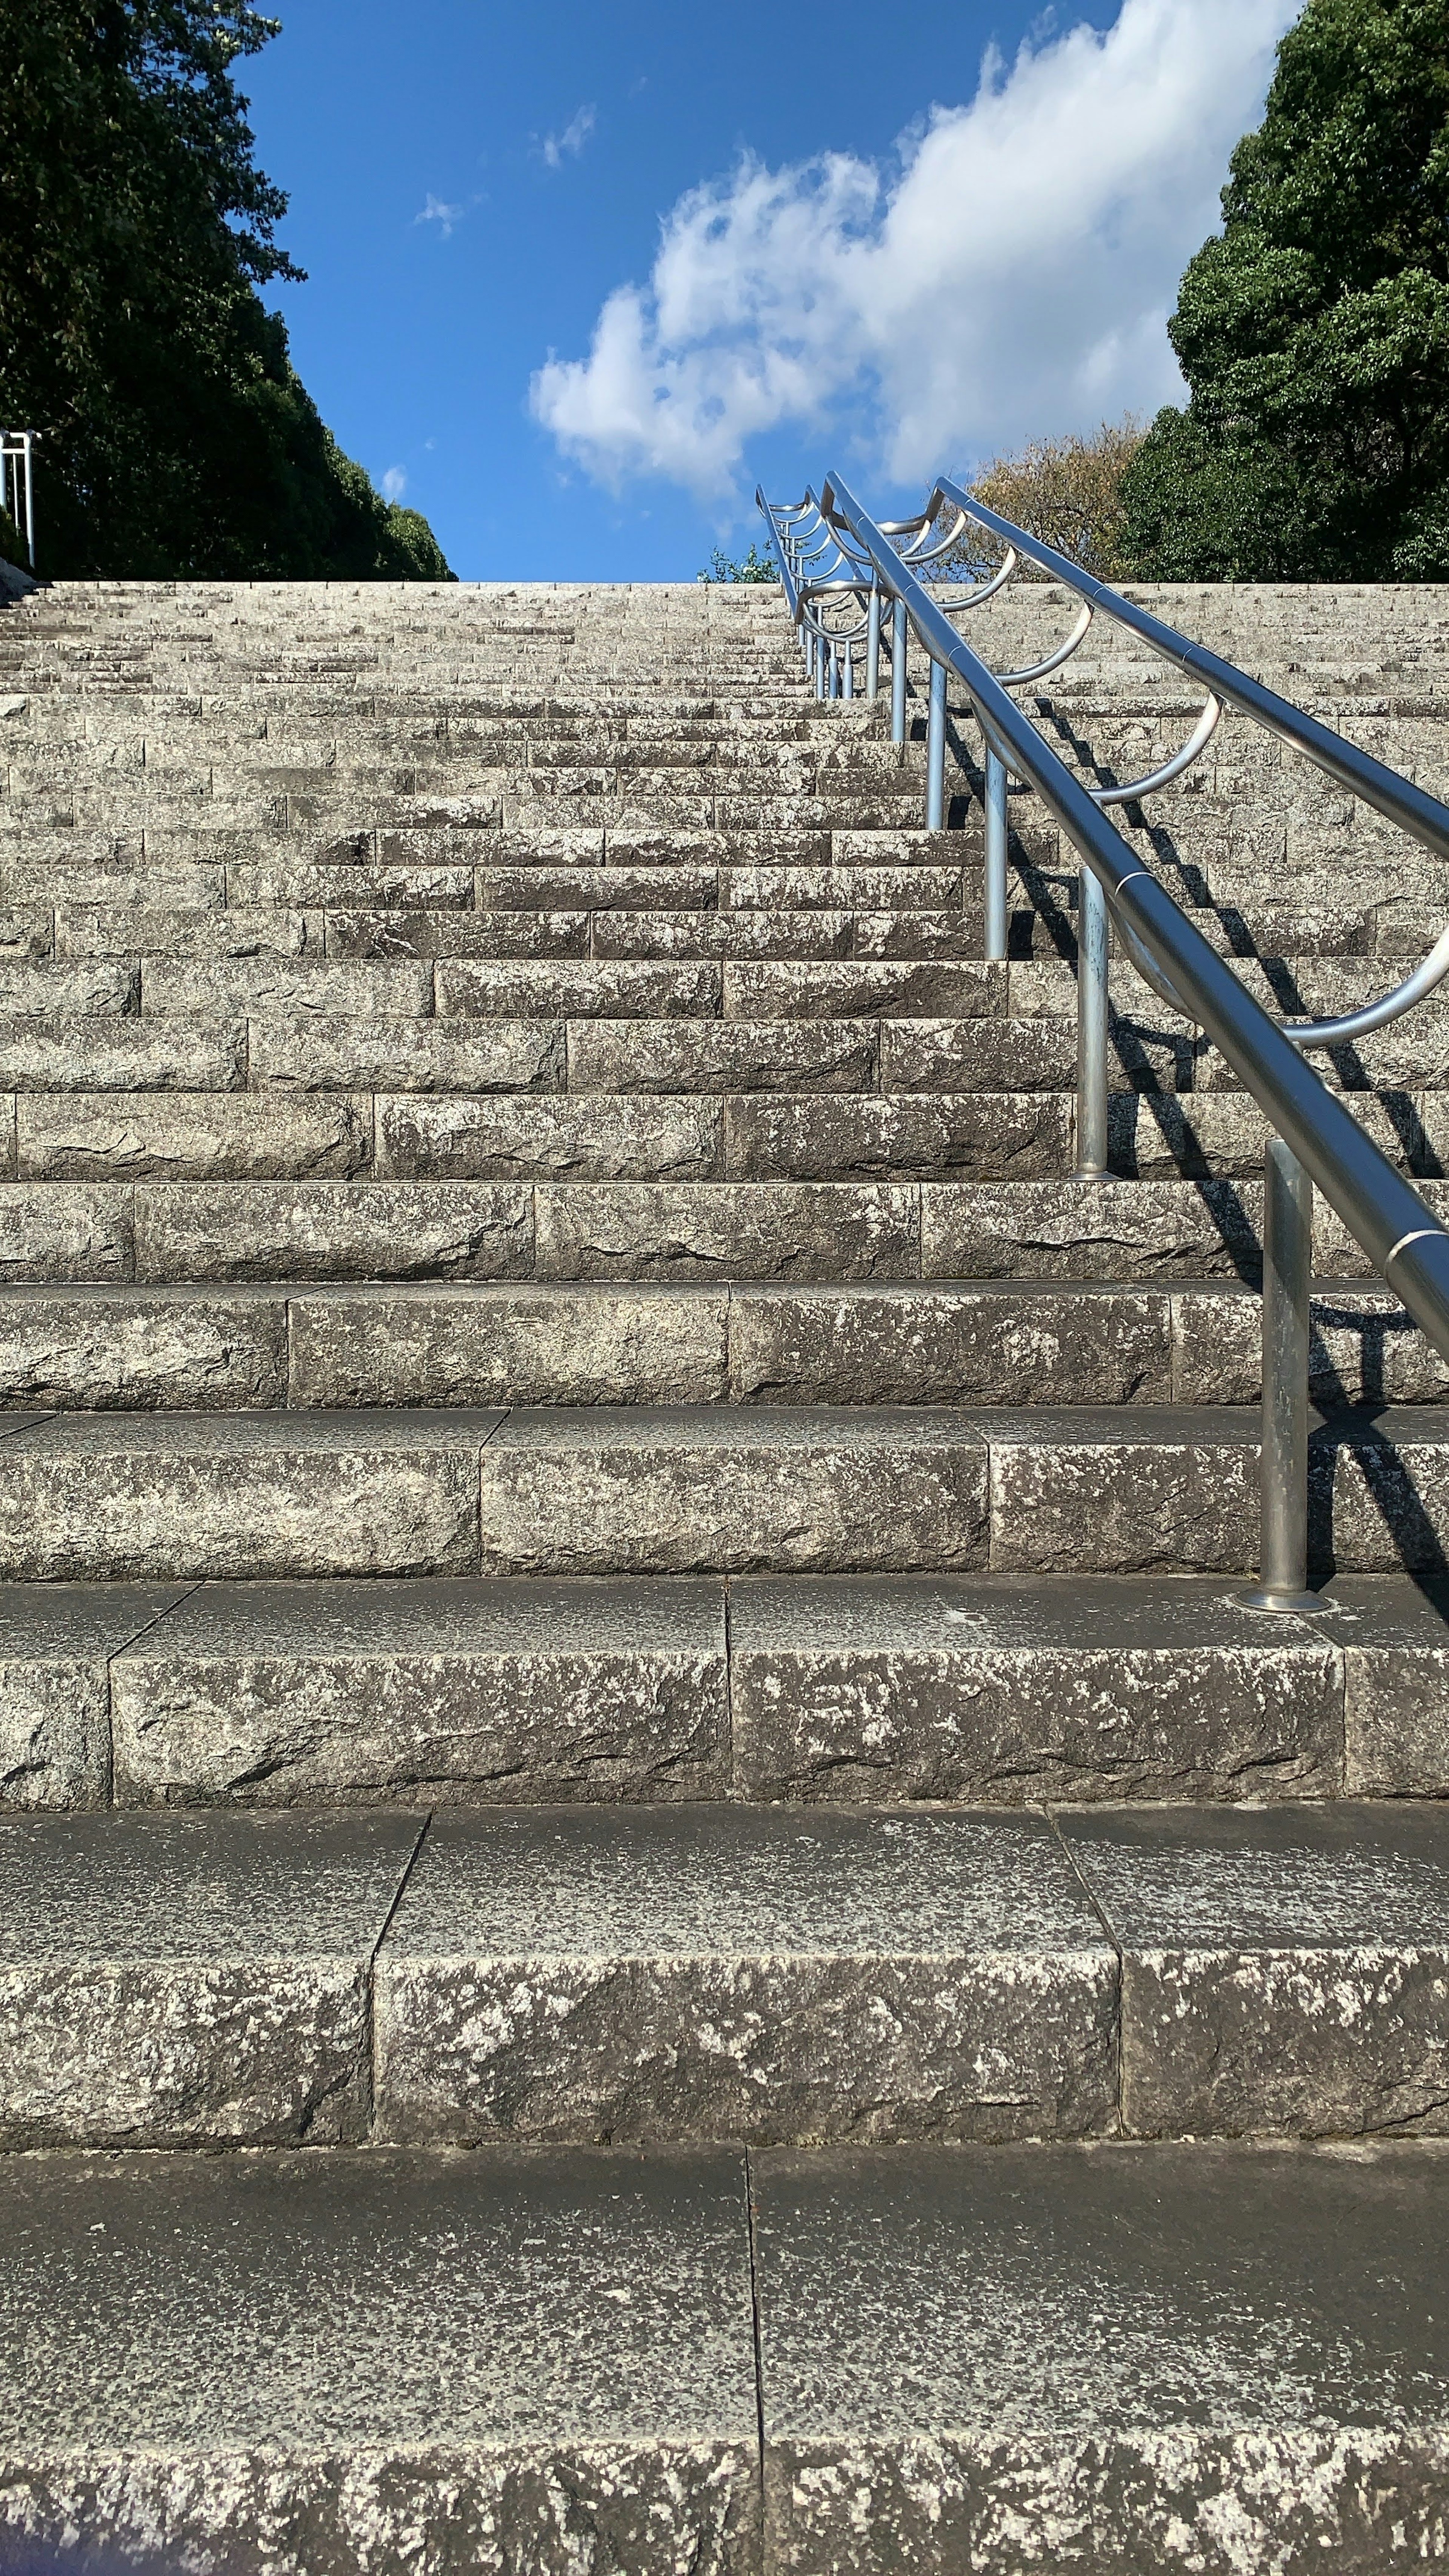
[604,1562]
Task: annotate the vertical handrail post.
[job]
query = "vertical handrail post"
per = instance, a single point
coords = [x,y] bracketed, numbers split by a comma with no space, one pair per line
[995,855]
[898,672]
[1287,1274]
[936,750]
[847,656]
[872,643]
[1091,1163]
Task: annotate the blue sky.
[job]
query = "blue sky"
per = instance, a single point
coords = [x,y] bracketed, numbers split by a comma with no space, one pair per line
[579,276]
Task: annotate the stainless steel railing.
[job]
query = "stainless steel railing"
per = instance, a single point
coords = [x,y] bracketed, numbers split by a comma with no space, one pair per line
[831,557]
[17,483]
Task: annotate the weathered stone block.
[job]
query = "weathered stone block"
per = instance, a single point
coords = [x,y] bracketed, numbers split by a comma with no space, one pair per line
[55,1731]
[268,1694]
[86,1136]
[1283,1969]
[987,1135]
[109,1348]
[727,1230]
[123,1496]
[1166,1491]
[721,1055]
[213,2284]
[165,1980]
[328,1229]
[320,1054]
[949,1345]
[487,1345]
[527,1139]
[718,1973]
[672,1492]
[1002,1688]
[1040,2358]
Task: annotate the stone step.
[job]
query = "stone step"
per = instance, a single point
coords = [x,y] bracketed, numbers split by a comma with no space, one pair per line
[856,1690]
[854,2331]
[682,1489]
[599,1137]
[681,1231]
[660,1975]
[219,1349]
[853,1690]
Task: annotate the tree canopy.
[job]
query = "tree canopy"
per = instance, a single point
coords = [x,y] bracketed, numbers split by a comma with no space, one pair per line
[1314,331]
[135,232]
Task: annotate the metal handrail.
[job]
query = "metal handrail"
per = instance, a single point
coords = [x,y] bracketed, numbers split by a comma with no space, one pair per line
[1316,1140]
[1396,797]
[17,482]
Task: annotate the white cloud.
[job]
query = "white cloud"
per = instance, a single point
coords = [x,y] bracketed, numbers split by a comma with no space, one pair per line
[395,482]
[444,216]
[571,142]
[1009,276]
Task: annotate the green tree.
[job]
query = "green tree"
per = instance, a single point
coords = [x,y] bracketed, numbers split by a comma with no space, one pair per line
[135,231]
[748,567]
[1314,331]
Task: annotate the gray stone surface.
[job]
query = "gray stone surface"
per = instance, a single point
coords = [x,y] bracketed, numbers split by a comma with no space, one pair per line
[1283,1969]
[192,1135]
[946,1344]
[261,987]
[951,988]
[542,1138]
[55,1724]
[727,1230]
[1010,1689]
[409,2364]
[117,1496]
[1379,1501]
[972,1135]
[1142,1491]
[1394,1636]
[169,1979]
[714,1972]
[507,1345]
[122,1055]
[1365,1349]
[1109,1231]
[122,1347]
[1016,1055]
[1021,2360]
[317,1230]
[313,1053]
[720,1055]
[66,1231]
[684,1489]
[577,988]
[278,1693]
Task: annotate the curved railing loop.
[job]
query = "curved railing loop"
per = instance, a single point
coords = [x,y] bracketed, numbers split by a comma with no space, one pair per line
[1206,727]
[984,590]
[1054,661]
[1429,973]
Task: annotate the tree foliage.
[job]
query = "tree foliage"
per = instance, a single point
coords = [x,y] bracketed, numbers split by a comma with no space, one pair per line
[1314,331]
[747,567]
[1068,492]
[135,231]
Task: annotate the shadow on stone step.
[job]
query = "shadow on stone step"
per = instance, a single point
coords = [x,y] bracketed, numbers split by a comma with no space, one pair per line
[1357,1477]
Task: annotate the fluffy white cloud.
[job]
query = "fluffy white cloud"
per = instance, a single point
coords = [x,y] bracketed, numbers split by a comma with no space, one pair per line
[556,147]
[395,482]
[1010,274]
